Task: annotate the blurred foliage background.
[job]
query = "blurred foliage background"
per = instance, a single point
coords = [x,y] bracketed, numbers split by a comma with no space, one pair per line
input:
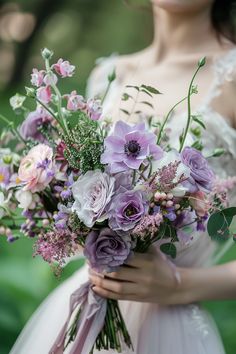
[80,31]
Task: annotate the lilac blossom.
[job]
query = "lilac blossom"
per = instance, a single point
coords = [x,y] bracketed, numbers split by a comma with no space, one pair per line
[201,175]
[126,209]
[129,146]
[106,250]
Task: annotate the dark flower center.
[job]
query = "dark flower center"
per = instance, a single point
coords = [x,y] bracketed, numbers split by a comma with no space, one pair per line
[131,210]
[132,148]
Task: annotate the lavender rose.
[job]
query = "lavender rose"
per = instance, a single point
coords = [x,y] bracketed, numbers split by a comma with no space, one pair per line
[126,209]
[106,250]
[92,192]
[201,175]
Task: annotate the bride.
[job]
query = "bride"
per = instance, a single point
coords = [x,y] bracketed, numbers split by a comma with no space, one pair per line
[164,317]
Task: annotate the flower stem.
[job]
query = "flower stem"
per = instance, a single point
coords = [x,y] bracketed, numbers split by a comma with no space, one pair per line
[167,118]
[59,97]
[12,128]
[201,63]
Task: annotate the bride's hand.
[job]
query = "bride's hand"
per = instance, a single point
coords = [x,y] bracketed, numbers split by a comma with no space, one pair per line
[146,278]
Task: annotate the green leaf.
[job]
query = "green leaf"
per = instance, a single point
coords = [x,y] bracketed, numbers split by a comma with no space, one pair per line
[125,96]
[151,89]
[147,93]
[134,87]
[218,152]
[199,121]
[219,223]
[169,249]
[197,145]
[147,103]
[124,111]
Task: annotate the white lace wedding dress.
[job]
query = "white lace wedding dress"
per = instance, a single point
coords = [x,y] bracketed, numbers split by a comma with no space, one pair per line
[154,329]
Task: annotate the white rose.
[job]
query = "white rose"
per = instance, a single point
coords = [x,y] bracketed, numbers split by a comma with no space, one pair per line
[92,192]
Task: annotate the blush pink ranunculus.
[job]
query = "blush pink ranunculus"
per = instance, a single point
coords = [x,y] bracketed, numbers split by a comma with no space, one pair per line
[37,169]
[199,203]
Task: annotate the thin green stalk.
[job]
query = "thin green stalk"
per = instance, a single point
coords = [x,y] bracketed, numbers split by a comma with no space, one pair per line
[201,63]
[167,118]
[13,129]
[58,94]
[51,112]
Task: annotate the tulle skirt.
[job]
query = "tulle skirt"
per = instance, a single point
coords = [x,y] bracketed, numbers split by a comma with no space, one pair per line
[154,329]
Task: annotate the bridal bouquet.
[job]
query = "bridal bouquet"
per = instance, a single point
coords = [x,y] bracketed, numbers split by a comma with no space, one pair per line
[75,180]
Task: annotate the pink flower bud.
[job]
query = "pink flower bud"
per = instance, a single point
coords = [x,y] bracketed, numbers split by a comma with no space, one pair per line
[50,79]
[75,102]
[44,94]
[170,196]
[157,196]
[163,195]
[37,77]
[45,222]
[169,203]
[64,68]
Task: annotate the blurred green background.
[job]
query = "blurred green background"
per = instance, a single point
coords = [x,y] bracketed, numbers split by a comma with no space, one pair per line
[80,31]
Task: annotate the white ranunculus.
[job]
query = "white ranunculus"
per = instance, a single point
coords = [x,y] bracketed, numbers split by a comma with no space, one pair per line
[92,192]
[25,199]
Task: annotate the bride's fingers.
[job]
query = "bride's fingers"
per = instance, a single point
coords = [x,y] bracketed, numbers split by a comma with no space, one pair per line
[125,273]
[111,285]
[109,294]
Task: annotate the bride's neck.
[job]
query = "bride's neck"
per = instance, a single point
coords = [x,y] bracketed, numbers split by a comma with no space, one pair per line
[181,34]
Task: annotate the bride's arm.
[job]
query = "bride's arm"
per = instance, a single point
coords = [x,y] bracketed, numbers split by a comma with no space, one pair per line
[151,279]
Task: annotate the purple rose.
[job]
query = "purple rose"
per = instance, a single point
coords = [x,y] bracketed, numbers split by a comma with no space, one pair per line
[129,146]
[35,119]
[201,175]
[126,209]
[106,250]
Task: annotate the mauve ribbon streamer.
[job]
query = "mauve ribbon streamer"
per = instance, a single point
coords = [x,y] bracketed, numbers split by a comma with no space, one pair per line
[90,323]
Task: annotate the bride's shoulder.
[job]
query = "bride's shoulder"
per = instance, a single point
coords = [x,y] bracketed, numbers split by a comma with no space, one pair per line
[105,66]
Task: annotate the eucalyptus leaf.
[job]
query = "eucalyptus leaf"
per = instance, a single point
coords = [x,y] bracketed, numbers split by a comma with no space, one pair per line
[169,249]
[219,223]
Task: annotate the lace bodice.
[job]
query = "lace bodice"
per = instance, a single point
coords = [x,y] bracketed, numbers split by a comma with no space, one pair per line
[218,133]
